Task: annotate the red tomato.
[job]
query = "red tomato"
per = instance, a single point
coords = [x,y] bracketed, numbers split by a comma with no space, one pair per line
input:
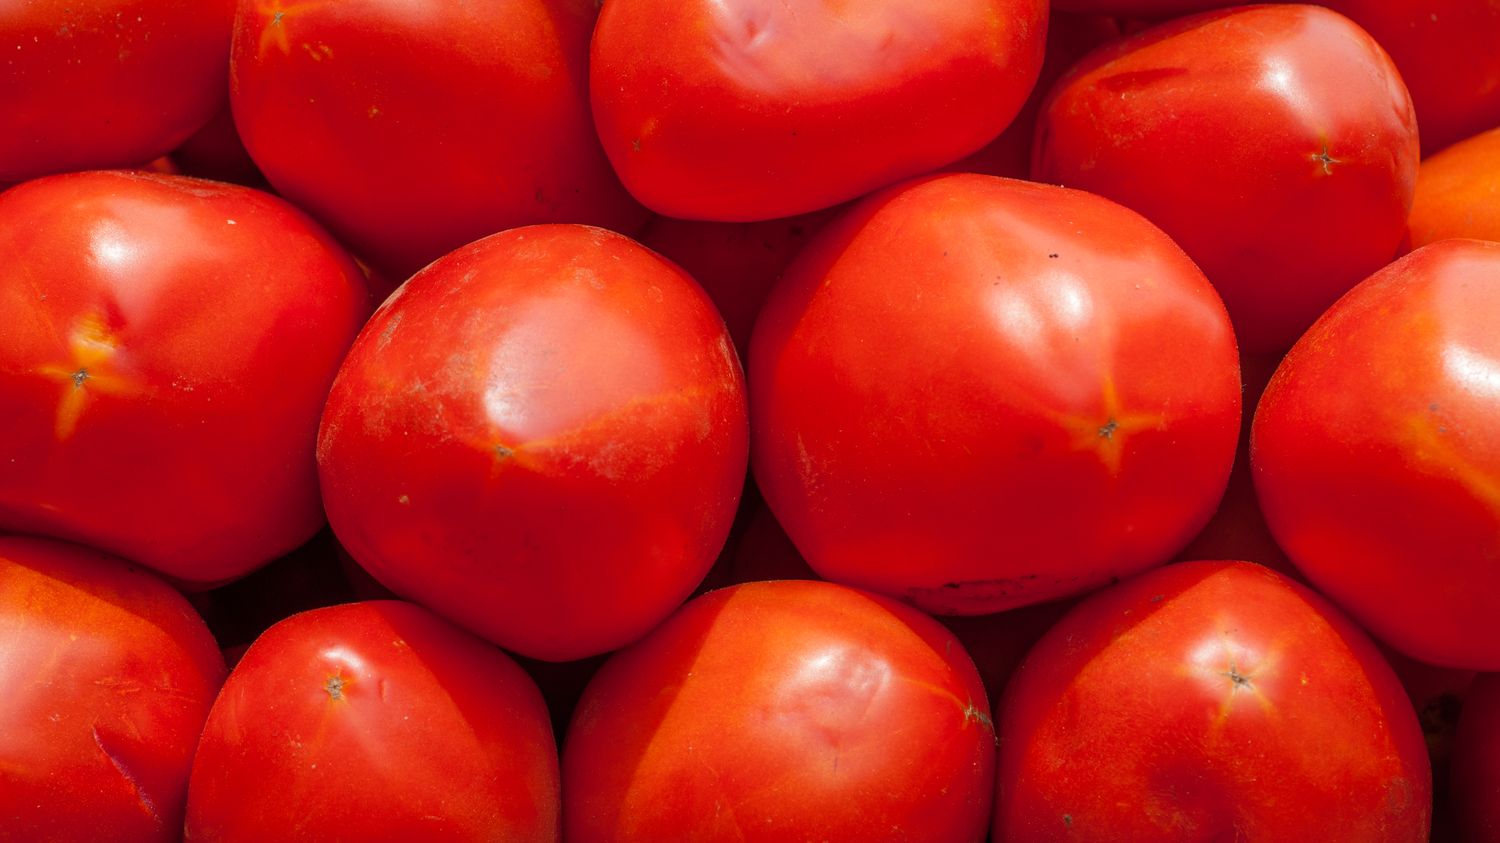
[541,436]
[1209,701]
[977,393]
[106,83]
[1376,448]
[1458,192]
[1276,144]
[1476,763]
[783,711]
[741,110]
[412,127]
[1446,52]
[108,676]
[376,722]
[168,346]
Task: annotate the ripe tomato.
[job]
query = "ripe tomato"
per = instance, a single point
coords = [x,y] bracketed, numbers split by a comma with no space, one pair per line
[108,677]
[1375,451]
[412,127]
[541,436]
[106,83]
[1458,192]
[374,721]
[1476,763]
[167,349]
[783,711]
[1209,701]
[977,393]
[756,109]
[1286,192]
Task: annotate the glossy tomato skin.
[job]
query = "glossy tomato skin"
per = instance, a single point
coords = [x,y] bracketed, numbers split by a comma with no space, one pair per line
[108,676]
[1374,450]
[542,437]
[977,393]
[169,344]
[374,721]
[1476,763]
[106,83]
[783,711]
[1209,701]
[1458,193]
[1445,50]
[412,127]
[755,109]
[1287,193]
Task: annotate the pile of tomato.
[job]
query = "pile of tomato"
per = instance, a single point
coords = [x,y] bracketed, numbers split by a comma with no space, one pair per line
[749,420]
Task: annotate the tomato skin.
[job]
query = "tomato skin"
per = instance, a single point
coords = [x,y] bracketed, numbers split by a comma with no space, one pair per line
[1476,763]
[207,321]
[1285,194]
[530,383]
[757,109]
[954,372]
[412,127]
[108,678]
[1458,193]
[374,721]
[783,711]
[106,83]
[1373,449]
[1127,721]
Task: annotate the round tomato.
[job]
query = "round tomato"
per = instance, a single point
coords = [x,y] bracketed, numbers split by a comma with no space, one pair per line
[1209,701]
[976,393]
[755,109]
[542,437]
[1376,447]
[106,83]
[374,722]
[412,127]
[108,677]
[783,711]
[1275,143]
[1458,193]
[168,345]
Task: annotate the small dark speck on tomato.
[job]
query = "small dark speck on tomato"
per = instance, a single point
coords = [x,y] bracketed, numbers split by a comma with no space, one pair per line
[1052,255]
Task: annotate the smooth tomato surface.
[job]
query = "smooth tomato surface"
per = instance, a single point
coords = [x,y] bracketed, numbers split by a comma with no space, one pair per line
[1458,192]
[374,721]
[167,347]
[756,109]
[108,675]
[541,436]
[976,393]
[106,83]
[1375,452]
[412,127]
[1275,144]
[783,711]
[1209,701]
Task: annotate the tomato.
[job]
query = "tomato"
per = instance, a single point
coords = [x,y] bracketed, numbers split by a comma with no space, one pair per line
[1445,50]
[976,393]
[542,437]
[1458,192]
[783,711]
[411,127]
[108,677]
[168,346]
[744,110]
[1375,450]
[1476,763]
[1209,701]
[106,83]
[374,721]
[1286,192]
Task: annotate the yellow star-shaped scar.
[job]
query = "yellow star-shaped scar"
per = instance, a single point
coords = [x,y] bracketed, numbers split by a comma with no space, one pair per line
[91,348]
